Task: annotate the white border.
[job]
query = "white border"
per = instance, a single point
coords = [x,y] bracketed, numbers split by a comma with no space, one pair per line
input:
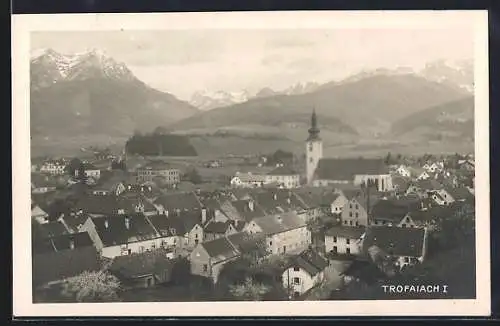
[22,25]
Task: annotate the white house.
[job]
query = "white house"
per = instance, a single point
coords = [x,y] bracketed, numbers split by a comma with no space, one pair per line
[284,176]
[305,271]
[344,240]
[403,171]
[249,180]
[285,233]
[55,167]
[39,215]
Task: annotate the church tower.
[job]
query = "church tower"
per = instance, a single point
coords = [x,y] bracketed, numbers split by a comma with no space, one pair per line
[314,149]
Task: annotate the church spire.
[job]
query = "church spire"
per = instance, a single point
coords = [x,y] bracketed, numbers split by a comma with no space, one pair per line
[313,131]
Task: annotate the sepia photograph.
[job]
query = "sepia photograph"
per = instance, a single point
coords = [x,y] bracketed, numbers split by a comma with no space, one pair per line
[315,166]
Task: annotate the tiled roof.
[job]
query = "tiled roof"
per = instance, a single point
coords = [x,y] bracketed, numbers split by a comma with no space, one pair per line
[394,209]
[182,223]
[310,261]
[117,233]
[246,242]
[141,264]
[220,249]
[351,232]
[73,222]
[99,204]
[429,184]
[48,230]
[273,224]
[163,225]
[346,169]
[217,227]
[243,209]
[58,265]
[275,201]
[396,241]
[181,201]
[459,193]
[401,182]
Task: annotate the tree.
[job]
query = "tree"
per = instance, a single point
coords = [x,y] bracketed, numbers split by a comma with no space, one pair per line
[73,165]
[98,286]
[249,290]
[193,176]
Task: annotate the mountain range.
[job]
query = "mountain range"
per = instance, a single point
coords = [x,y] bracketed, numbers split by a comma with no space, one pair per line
[90,92]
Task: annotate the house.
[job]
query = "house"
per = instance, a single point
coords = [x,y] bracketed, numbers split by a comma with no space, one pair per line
[73,222]
[285,233]
[214,230]
[148,172]
[248,180]
[104,205]
[356,211]
[178,202]
[391,212]
[420,173]
[38,214]
[336,202]
[208,258]
[41,184]
[242,210]
[313,204]
[90,171]
[143,270]
[460,194]
[403,171]
[400,184]
[304,272]
[111,183]
[172,231]
[213,209]
[276,201]
[406,245]
[422,188]
[284,176]
[59,257]
[53,167]
[189,226]
[344,240]
[467,165]
[441,197]
[48,230]
[332,171]
[116,235]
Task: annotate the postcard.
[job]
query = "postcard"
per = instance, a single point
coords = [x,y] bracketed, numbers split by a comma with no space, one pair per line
[317,163]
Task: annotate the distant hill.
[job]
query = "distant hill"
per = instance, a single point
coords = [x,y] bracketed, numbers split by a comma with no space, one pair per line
[366,106]
[451,120]
[90,93]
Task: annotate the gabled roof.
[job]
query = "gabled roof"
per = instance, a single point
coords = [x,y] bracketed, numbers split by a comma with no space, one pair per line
[273,224]
[142,264]
[243,209]
[48,230]
[459,193]
[246,242]
[346,169]
[117,233]
[107,204]
[396,241]
[73,222]
[276,201]
[220,249]
[400,182]
[429,184]
[394,209]
[179,201]
[310,261]
[350,232]
[217,227]
[310,199]
[182,223]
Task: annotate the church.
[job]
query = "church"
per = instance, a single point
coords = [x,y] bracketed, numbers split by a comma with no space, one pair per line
[322,171]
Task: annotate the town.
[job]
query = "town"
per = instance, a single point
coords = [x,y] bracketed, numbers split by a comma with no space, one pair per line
[125,227]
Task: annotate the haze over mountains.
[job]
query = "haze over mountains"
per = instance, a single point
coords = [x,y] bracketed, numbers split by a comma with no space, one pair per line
[91,93]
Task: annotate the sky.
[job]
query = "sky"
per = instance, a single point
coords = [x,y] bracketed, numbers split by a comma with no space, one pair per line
[182,62]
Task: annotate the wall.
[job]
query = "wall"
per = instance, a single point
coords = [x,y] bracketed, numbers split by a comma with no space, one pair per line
[342,245]
[338,204]
[353,214]
[198,258]
[294,240]
[134,247]
[306,281]
[195,236]
[314,152]
[384,181]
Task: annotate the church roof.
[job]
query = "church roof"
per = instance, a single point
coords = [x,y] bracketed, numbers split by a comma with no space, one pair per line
[346,169]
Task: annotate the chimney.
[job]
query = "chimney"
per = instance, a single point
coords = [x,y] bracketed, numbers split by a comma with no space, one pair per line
[127,222]
[203,215]
[106,224]
[251,205]
[72,244]
[275,197]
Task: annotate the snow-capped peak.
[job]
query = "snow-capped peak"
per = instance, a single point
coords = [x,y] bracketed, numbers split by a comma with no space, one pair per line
[82,65]
[207,100]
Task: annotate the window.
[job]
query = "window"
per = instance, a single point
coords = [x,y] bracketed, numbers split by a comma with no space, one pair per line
[153,245]
[130,251]
[403,225]
[357,206]
[348,241]
[149,282]
[296,280]
[310,160]
[350,223]
[284,249]
[334,239]
[345,222]
[196,236]
[141,249]
[205,268]
[357,223]
[350,214]
[350,206]
[335,250]
[196,241]
[348,251]
[357,214]
[296,269]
